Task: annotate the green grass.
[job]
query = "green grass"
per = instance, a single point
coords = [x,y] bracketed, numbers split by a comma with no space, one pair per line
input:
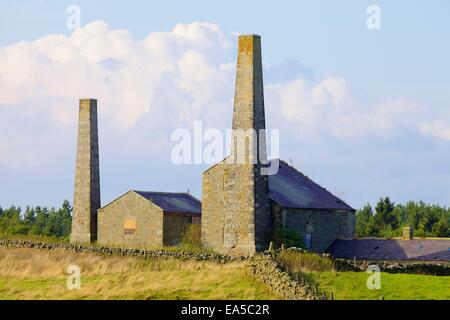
[318,271]
[352,286]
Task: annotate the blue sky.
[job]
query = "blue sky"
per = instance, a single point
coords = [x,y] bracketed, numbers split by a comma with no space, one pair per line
[387,134]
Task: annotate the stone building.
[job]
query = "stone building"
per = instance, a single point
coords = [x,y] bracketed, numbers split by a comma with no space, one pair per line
[147,219]
[242,205]
[300,204]
[404,249]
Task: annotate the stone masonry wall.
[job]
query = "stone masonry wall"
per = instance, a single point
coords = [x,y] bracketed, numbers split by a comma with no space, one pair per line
[279,281]
[131,211]
[324,225]
[213,207]
[87,175]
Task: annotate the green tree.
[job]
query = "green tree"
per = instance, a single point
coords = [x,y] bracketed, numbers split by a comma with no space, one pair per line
[441,228]
[384,216]
[363,218]
[30,216]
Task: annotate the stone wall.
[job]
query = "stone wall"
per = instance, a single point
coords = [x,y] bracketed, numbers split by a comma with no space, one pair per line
[407,267]
[87,175]
[279,281]
[138,253]
[325,226]
[130,221]
[213,207]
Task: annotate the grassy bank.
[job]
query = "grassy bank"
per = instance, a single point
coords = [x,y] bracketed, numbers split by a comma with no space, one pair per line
[318,271]
[38,274]
[352,286]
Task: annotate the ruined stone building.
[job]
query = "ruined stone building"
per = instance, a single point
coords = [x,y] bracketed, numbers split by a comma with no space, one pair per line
[242,202]
[242,206]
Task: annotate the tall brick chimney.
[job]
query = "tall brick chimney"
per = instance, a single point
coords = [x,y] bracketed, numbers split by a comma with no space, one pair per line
[87,176]
[247,216]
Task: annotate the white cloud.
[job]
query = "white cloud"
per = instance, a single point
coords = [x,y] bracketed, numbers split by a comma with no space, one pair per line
[329,107]
[147,88]
[166,80]
[436,129]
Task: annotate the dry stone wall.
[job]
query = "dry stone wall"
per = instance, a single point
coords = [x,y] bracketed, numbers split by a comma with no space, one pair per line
[280,282]
[431,268]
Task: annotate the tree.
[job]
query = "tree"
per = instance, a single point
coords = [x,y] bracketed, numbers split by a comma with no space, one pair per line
[384,216]
[441,228]
[30,216]
[363,217]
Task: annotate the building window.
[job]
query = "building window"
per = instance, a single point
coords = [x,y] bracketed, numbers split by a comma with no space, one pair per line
[308,241]
[129,226]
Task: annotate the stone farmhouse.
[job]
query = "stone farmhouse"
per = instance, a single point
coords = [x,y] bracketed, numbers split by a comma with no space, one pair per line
[241,203]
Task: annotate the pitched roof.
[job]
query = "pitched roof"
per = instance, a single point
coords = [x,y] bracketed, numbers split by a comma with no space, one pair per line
[292,189]
[381,249]
[173,202]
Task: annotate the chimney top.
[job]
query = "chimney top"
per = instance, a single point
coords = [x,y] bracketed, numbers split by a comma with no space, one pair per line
[408,233]
[88,99]
[250,35]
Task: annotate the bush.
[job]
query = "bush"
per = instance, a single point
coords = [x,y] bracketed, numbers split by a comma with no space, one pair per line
[191,237]
[286,236]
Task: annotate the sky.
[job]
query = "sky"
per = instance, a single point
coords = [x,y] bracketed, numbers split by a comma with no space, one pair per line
[363,112]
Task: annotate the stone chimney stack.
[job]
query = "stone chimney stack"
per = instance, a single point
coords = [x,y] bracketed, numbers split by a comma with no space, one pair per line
[87,176]
[248,112]
[247,213]
[408,233]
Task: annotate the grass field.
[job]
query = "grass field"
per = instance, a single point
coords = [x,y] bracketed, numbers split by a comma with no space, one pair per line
[352,286]
[37,274]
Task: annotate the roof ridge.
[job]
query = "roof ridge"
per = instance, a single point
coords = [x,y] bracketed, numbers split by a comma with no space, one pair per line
[160,192]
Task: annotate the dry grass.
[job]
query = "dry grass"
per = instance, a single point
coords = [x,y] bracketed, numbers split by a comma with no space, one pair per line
[296,262]
[38,274]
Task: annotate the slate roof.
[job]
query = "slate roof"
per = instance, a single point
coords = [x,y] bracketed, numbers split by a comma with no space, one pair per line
[381,249]
[173,202]
[292,189]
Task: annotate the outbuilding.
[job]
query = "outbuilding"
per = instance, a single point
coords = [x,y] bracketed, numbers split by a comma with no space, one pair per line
[147,219]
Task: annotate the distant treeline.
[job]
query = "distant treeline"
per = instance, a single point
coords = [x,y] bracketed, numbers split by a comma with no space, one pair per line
[36,221]
[388,218]
[385,220]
